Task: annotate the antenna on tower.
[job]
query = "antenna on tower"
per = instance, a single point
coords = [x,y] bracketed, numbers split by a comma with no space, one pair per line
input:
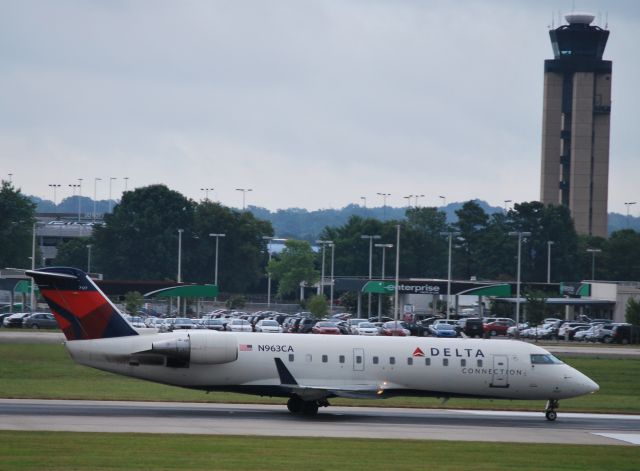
[606,20]
[553,20]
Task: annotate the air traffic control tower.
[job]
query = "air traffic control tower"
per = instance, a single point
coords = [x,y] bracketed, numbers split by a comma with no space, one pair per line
[575,123]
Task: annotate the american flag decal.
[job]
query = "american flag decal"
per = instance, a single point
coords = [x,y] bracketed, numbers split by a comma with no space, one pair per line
[245,348]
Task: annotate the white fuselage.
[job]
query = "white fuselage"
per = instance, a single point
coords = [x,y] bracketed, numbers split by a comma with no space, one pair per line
[389,365]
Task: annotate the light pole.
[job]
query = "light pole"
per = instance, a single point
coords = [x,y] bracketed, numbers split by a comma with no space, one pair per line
[450,235]
[549,244]
[55,186]
[111,179]
[384,205]
[408,198]
[33,267]
[395,301]
[79,197]
[506,208]
[324,243]
[418,196]
[126,184]
[520,235]
[383,247]
[370,237]
[89,258]
[593,253]
[444,200]
[95,187]
[270,239]
[179,278]
[206,192]
[215,270]
[627,204]
[364,200]
[74,194]
[244,194]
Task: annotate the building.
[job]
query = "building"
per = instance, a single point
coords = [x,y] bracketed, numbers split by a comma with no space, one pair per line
[576,122]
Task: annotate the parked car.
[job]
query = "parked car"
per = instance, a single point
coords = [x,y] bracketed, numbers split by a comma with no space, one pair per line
[3,316]
[603,334]
[305,325]
[497,327]
[15,320]
[395,328]
[585,335]
[367,328]
[353,324]
[325,327]
[183,323]
[290,325]
[40,320]
[471,326]
[624,334]
[268,326]
[443,330]
[213,324]
[563,331]
[571,332]
[239,325]
[167,325]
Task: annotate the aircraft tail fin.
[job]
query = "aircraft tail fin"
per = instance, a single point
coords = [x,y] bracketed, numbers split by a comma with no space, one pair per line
[83,311]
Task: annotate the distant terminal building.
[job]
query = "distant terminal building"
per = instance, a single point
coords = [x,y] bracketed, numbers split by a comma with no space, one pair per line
[57,228]
[576,122]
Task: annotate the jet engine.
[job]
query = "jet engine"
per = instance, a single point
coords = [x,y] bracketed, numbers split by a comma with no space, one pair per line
[205,348]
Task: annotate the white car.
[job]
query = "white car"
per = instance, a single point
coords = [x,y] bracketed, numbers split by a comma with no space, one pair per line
[268,326]
[367,328]
[239,325]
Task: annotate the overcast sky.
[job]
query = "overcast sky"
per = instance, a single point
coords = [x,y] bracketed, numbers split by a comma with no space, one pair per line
[311,104]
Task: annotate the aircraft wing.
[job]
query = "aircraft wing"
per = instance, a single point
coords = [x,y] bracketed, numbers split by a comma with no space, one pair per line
[316,392]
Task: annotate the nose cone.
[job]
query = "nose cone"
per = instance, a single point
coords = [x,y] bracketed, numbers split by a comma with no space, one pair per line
[582,384]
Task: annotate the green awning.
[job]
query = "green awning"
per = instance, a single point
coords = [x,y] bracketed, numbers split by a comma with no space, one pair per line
[503,290]
[24,287]
[187,291]
[381,287]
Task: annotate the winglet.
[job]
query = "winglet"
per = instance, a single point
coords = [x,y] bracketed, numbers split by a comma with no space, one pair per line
[286,378]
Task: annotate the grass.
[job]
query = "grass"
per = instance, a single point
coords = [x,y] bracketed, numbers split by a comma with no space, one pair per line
[98,451]
[45,371]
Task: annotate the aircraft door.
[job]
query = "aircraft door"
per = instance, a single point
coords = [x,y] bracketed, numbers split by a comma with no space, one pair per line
[500,378]
[358,359]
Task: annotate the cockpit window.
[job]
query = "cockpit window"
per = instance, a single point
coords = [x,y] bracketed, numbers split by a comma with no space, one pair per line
[547,359]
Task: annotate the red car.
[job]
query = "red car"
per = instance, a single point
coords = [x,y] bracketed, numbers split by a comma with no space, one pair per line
[395,328]
[497,327]
[325,328]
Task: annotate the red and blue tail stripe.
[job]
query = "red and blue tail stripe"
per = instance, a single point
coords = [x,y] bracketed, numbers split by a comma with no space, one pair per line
[83,311]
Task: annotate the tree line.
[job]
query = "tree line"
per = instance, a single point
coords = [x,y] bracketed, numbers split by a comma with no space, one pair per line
[139,240]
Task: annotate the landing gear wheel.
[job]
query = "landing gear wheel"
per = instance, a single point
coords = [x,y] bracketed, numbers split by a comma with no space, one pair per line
[295,405]
[310,408]
[550,410]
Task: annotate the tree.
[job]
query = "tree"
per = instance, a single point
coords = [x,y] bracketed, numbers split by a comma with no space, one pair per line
[140,238]
[472,222]
[74,253]
[620,258]
[632,316]
[17,217]
[294,266]
[536,307]
[318,306]
[133,301]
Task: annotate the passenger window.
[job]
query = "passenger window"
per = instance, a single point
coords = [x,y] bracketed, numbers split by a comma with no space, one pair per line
[409,361]
[325,358]
[427,361]
[291,356]
[358,359]
[463,362]
[392,360]
[341,358]
[445,362]
[375,360]
[479,363]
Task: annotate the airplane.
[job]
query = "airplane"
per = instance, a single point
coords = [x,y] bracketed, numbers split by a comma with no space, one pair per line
[307,369]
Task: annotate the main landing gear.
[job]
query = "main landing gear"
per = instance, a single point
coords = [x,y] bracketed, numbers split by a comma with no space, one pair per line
[308,408]
[550,410]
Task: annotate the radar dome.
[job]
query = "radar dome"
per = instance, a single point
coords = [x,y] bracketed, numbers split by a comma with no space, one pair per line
[579,18]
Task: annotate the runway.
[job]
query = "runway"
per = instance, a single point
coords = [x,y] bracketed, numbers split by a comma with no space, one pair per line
[349,422]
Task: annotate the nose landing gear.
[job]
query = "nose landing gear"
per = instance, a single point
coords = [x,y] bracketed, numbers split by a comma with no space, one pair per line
[550,410]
